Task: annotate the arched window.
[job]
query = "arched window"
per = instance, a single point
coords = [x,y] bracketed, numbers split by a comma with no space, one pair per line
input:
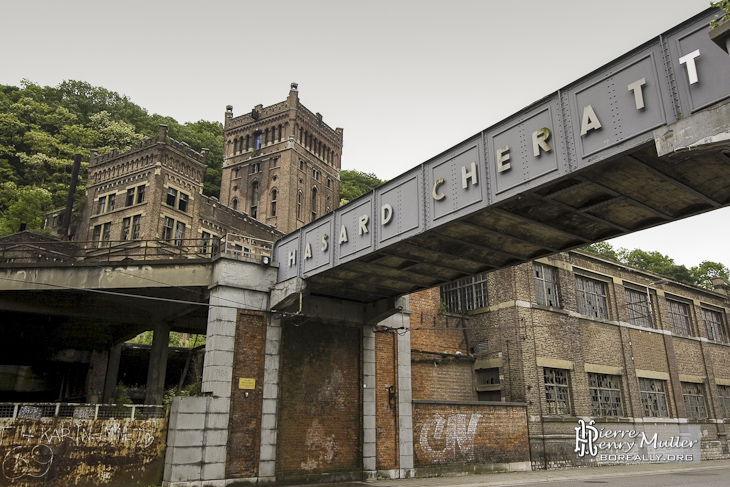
[248,141]
[235,146]
[273,202]
[314,203]
[299,205]
[254,198]
[234,203]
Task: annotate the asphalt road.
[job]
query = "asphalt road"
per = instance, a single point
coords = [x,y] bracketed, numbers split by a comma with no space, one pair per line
[704,474]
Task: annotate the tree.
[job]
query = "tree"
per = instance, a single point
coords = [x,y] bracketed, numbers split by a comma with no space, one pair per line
[22,205]
[703,273]
[356,183]
[602,249]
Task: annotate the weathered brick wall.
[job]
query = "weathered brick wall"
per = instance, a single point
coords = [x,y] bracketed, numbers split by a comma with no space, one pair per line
[453,435]
[244,427]
[386,409]
[688,353]
[320,407]
[443,379]
[649,352]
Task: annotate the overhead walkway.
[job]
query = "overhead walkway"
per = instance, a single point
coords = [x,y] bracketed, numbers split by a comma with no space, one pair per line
[642,141]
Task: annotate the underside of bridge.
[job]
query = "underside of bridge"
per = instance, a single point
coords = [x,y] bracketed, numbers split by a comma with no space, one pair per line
[617,196]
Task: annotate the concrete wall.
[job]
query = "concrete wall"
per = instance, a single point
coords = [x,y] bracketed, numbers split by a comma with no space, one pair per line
[82,452]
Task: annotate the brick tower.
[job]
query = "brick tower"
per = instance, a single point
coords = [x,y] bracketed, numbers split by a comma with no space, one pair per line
[282,164]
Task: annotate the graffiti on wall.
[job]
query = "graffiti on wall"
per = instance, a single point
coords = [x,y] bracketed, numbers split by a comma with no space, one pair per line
[446,438]
[38,451]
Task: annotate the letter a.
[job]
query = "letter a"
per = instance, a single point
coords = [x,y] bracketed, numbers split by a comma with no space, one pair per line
[343,235]
[308,251]
[589,122]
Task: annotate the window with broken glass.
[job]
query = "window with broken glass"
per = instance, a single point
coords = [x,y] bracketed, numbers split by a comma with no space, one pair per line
[557,391]
[713,323]
[605,391]
[679,317]
[465,294]
[546,285]
[724,392]
[591,295]
[638,305]
[653,398]
[694,400]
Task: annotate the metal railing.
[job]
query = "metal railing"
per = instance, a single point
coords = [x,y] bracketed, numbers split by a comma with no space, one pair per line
[132,250]
[80,411]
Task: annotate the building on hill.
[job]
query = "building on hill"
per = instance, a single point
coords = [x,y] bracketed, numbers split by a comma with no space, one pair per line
[282,164]
[575,336]
[154,192]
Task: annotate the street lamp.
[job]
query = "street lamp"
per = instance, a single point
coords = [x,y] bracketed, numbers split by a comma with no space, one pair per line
[648,297]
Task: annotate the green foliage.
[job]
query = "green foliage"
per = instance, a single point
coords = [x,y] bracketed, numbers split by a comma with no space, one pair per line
[22,205]
[724,5]
[43,127]
[700,276]
[356,183]
[703,273]
[176,339]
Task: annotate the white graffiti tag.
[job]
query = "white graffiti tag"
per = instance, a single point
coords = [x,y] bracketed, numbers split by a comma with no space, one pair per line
[447,434]
[33,461]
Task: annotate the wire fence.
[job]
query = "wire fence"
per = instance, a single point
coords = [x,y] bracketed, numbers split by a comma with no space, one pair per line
[80,411]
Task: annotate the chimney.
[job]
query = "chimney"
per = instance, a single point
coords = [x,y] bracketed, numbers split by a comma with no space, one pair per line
[70,197]
[719,285]
[205,155]
[162,133]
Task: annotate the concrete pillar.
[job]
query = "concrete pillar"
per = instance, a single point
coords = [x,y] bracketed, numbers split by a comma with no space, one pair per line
[368,402]
[96,376]
[112,373]
[269,411]
[401,321]
[158,364]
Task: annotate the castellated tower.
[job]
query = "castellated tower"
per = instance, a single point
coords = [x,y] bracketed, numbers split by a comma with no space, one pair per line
[282,164]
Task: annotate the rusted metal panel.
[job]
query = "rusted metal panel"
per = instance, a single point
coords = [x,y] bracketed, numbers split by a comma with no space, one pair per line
[82,452]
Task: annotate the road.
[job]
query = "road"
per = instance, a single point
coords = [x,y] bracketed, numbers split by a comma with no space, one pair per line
[705,474]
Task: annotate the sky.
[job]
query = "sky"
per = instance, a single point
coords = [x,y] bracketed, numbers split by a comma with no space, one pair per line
[405,79]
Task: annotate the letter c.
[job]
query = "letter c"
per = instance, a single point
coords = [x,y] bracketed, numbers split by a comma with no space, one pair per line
[434,192]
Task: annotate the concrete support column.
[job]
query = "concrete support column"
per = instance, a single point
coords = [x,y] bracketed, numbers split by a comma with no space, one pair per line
[405,402]
[96,376]
[158,364]
[269,411]
[368,402]
[112,373]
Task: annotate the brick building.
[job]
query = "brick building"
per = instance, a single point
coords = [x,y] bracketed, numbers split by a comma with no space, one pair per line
[576,336]
[282,164]
[154,192]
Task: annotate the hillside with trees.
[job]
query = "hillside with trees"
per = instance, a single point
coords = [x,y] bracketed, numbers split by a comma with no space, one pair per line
[700,275]
[41,128]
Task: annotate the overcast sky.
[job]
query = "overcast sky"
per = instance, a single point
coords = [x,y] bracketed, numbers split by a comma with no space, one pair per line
[405,79]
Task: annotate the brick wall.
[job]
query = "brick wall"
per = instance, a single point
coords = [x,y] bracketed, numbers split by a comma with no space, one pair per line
[244,427]
[320,407]
[461,435]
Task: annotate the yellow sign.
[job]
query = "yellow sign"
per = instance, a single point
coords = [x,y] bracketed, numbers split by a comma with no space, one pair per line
[247,383]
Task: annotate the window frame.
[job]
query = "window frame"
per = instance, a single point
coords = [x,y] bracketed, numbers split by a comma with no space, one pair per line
[465,294]
[674,317]
[639,311]
[545,286]
[554,404]
[714,328]
[583,303]
[723,392]
[603,402]
[661,397]
[693,394]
